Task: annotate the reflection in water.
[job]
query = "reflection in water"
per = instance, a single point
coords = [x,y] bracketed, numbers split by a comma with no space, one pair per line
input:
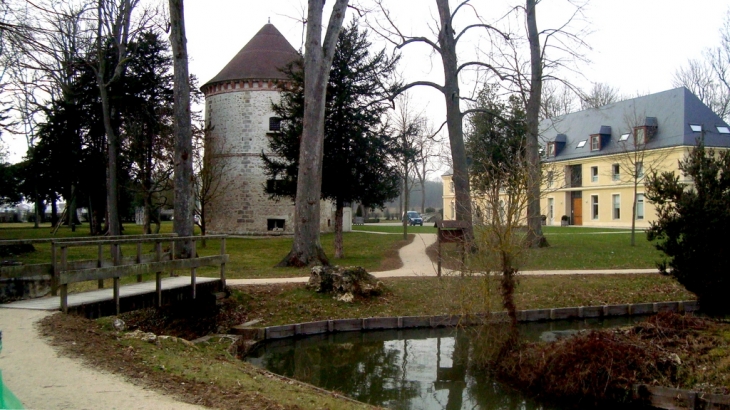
[406,369]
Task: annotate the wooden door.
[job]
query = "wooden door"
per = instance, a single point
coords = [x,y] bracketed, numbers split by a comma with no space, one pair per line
[578,211]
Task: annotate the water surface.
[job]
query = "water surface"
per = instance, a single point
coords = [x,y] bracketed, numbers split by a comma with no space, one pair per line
[409,369]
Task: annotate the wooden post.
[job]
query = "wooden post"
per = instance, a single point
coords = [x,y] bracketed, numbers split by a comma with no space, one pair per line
[115,252]
[99,263]
[54,278]
[139,259]
[158,274]
[193,271]
[172,256]
[223,264]
[64,287]
[438,239]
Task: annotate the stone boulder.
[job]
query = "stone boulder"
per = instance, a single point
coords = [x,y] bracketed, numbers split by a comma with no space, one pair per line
[341,281]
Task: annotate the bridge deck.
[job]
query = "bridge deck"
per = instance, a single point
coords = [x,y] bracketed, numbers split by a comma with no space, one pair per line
[101,295]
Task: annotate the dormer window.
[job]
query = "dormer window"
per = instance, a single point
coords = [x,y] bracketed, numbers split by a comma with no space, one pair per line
[551,149]
[624,137]
[274,124]
[582,144]
[723,129]
[696,127]
[596,142]
[640,135]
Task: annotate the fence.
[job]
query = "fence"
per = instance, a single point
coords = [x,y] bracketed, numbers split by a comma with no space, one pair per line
[66,273]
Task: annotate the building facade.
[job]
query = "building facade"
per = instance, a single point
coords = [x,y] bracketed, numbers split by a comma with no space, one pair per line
[240,120]
[595,161]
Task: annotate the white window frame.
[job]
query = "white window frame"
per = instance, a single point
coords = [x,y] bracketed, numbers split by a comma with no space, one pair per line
[723,129]
[596,142]
[594,207]
[594,174]
[616,210]
[581,144]
[696,127]
[640,206]
[551,149]
[616,172]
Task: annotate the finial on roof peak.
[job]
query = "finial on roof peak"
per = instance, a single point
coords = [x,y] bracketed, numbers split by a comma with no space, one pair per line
[269,20]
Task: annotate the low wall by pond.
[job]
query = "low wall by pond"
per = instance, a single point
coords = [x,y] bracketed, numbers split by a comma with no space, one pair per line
[409,322]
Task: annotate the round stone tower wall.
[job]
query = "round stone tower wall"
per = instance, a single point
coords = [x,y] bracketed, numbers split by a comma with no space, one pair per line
[238,114]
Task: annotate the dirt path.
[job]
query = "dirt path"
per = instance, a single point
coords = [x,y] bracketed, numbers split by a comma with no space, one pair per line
[42,379]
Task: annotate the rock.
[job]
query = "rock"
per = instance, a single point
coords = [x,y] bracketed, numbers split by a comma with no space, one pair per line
[353,280]
[119,324]
[346,297]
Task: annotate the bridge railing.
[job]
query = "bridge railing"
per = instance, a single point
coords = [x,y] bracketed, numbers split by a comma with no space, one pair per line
[66,272]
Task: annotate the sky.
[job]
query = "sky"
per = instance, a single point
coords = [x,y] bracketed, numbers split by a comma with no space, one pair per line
[635,45]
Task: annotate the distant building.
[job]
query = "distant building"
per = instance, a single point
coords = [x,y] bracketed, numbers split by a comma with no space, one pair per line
[238,111]
[590,156]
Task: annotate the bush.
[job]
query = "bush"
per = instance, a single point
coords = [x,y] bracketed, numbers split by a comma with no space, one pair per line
[691,222]
[430,210]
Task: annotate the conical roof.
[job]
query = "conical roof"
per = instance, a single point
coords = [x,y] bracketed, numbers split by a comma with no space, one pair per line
[261,58]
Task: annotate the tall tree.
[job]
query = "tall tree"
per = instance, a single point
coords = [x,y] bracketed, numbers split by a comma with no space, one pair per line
[357,145]
[306,247]
[184,206]
[115,29]
[598,95]
[445,44]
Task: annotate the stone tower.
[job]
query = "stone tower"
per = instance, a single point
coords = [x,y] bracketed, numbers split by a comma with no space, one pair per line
[238,110]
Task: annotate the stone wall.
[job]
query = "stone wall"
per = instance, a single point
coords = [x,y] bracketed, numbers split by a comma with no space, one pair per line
[239,116]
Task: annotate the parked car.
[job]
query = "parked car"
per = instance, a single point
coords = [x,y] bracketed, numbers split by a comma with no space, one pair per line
[413,218]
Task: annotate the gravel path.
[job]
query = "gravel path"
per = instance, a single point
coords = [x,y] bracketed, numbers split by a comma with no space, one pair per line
[42,379]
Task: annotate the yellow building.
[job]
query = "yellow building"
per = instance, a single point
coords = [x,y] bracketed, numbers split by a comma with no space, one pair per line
[591,157]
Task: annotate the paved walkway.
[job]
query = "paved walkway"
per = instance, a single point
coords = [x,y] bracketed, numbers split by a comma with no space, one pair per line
[417,263]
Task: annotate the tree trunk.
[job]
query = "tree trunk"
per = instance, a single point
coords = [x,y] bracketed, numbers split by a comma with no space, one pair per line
[633,212]
[71,209]
[535,237]
[37,222]
[306,247]
[54,210]
[339,243]
[460,177]
[112,200]
[423,195]
[183,223]
[404,216]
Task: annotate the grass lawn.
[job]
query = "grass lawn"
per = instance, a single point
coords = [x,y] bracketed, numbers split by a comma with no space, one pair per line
[282,304]
[249,257]
[577,248]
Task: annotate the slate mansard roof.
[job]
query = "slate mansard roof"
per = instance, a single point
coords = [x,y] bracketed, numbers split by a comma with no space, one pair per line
[260,59]
[671,112]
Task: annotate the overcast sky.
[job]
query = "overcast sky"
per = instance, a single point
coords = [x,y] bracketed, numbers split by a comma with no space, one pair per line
[636,45]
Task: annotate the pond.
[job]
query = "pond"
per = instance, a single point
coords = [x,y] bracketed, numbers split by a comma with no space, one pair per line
[409,369]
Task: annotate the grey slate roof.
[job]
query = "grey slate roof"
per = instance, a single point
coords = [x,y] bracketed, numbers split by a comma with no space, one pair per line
[670,111]
[261,58]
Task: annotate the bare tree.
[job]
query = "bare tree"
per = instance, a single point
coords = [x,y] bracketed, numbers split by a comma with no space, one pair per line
[557,99]
[428,147]
[709,78]
[318,56]
[635,160]
[209,181]
[408,126]
[550,50]
[445,44]
[118,22]
[598,95]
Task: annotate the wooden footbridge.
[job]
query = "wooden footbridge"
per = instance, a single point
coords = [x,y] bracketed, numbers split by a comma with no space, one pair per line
[66,268]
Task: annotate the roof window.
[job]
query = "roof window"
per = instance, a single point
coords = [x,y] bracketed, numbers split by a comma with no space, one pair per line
[624,137]
[696,127]
[723,129]
[582,144]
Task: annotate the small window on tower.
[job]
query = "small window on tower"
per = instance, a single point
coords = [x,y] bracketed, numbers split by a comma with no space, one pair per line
[274,124]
